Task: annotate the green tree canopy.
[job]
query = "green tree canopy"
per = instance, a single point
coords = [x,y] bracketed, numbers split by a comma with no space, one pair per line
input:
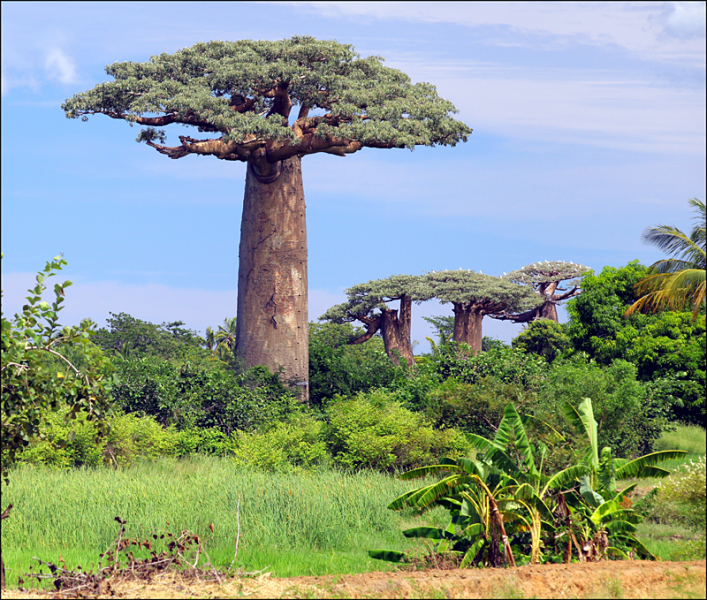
[545,278]
[666,345]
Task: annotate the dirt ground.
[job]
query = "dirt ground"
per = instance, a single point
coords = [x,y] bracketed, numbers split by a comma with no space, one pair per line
[620,579]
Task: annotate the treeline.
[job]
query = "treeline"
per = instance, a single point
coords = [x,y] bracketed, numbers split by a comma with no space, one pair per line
[174,392]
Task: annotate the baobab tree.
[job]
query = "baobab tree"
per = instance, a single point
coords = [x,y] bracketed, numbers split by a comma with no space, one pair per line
[368,304]
[545,278]
[474,295]
[240,96]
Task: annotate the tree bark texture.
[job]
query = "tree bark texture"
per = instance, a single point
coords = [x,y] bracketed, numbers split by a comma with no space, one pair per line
[273,324]
[395,330]
[468,317]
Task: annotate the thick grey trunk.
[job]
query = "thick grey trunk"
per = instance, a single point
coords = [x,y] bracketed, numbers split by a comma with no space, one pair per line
[467,324]
[273,324]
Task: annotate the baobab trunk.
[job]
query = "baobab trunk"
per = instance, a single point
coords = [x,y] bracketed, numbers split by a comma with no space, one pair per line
[467,325]
[396,332]
[273,324]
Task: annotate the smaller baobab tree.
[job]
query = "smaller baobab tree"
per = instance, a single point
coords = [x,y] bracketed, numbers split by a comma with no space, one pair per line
[545,278]
[368,304]
[474,295]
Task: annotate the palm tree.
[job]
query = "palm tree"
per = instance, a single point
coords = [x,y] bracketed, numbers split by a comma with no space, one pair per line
[210,338]
[679,282]
[225,337]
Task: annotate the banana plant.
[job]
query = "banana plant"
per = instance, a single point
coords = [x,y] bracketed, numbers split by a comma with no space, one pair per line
[598,526]
[532,486]
[480,502]
[604,469]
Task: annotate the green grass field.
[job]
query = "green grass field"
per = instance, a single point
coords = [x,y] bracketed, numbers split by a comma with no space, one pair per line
[674,540]
[293,524]
[307,523]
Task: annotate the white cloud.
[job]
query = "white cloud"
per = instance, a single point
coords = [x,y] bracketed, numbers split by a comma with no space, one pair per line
[686,20]
[60,67]
[634,26]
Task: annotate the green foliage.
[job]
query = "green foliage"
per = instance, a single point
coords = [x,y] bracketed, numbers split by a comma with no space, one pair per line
[372,431]
[337,367]
[33,344]
[631,414]
[128,438]
[665,345]
[286,446]
[130,338]
[543,337]
[548,272]
[493,294]
[507,365]
[188,397]
[474,408]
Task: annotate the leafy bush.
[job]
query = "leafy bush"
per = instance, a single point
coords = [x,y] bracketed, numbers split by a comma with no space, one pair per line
[474,408]
[337,367]
[372,431]
[508,365]
[187,397]
[285,447]
[128,437]
[545,338]
[631,414]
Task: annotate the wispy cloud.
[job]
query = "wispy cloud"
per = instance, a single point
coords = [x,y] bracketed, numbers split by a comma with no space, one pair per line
[685,20]
[637,27]
[60,67]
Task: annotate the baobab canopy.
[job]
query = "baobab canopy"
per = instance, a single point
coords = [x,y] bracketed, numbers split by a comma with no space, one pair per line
[245,91]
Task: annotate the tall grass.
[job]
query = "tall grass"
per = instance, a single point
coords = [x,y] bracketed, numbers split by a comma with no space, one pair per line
[306,523]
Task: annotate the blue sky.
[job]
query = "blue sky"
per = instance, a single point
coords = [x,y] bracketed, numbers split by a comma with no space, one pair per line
[588,118]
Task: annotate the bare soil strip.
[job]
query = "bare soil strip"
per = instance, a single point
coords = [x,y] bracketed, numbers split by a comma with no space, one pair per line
[620,579]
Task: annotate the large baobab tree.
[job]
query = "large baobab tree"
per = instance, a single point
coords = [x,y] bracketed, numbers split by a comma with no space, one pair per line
[269,104]
[474,295]
[545,278]
[368,304]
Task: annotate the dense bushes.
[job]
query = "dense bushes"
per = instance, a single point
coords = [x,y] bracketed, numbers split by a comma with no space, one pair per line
[187,397]
[337,367]
[373,431]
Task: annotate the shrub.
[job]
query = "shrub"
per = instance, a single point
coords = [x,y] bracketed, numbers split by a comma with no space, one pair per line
[187,397]
[286,446]
[545,338]
[508,365]
[128,438]
[631,414]
[372,431]
[337,367]
[475,408]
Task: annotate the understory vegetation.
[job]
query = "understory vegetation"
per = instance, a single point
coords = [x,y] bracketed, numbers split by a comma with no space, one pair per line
[191,439]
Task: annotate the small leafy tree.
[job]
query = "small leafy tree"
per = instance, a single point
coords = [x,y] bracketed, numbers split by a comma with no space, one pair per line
[37,376]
